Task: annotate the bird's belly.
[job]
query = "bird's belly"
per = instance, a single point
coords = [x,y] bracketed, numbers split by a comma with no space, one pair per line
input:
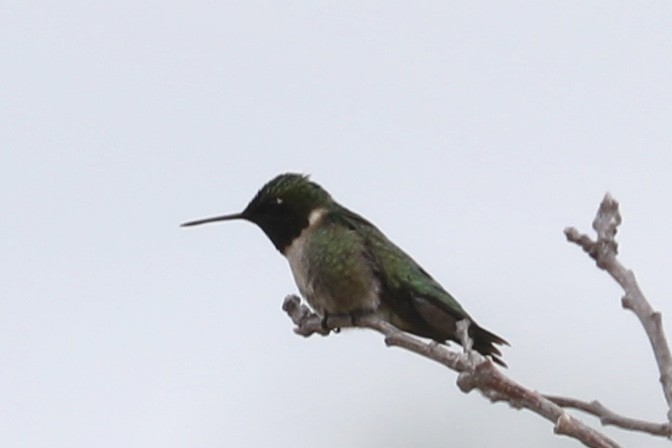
[333,289]
[342,301]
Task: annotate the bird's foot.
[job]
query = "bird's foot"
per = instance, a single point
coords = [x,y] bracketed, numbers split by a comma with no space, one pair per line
[357,316]
[335,321]
[326,326]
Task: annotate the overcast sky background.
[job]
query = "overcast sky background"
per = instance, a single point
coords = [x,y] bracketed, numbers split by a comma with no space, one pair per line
[471,134]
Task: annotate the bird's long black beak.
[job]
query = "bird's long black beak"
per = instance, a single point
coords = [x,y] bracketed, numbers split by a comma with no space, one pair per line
[213,219]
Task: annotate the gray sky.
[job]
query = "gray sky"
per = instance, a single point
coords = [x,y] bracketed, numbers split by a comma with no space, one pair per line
[470,134]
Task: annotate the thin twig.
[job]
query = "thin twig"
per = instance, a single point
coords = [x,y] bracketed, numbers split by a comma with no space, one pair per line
[604,252]
[475,371]
[609,417]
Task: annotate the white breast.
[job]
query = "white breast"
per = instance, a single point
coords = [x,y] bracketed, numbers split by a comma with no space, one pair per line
[296,255]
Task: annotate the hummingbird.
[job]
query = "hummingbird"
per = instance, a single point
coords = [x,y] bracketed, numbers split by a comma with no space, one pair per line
[342,264]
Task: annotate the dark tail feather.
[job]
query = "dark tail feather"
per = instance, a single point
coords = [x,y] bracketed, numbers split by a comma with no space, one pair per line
[484,343]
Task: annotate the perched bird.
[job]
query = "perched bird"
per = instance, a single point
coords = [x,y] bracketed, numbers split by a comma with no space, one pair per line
[343,264]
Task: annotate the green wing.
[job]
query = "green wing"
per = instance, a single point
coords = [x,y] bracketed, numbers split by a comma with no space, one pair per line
[419,303]
[400,272]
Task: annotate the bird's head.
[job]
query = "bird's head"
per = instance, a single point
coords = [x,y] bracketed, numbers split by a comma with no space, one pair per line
[282,208]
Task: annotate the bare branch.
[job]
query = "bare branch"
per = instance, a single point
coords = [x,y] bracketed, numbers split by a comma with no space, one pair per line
[609,417]
[604,252]
[475,371]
